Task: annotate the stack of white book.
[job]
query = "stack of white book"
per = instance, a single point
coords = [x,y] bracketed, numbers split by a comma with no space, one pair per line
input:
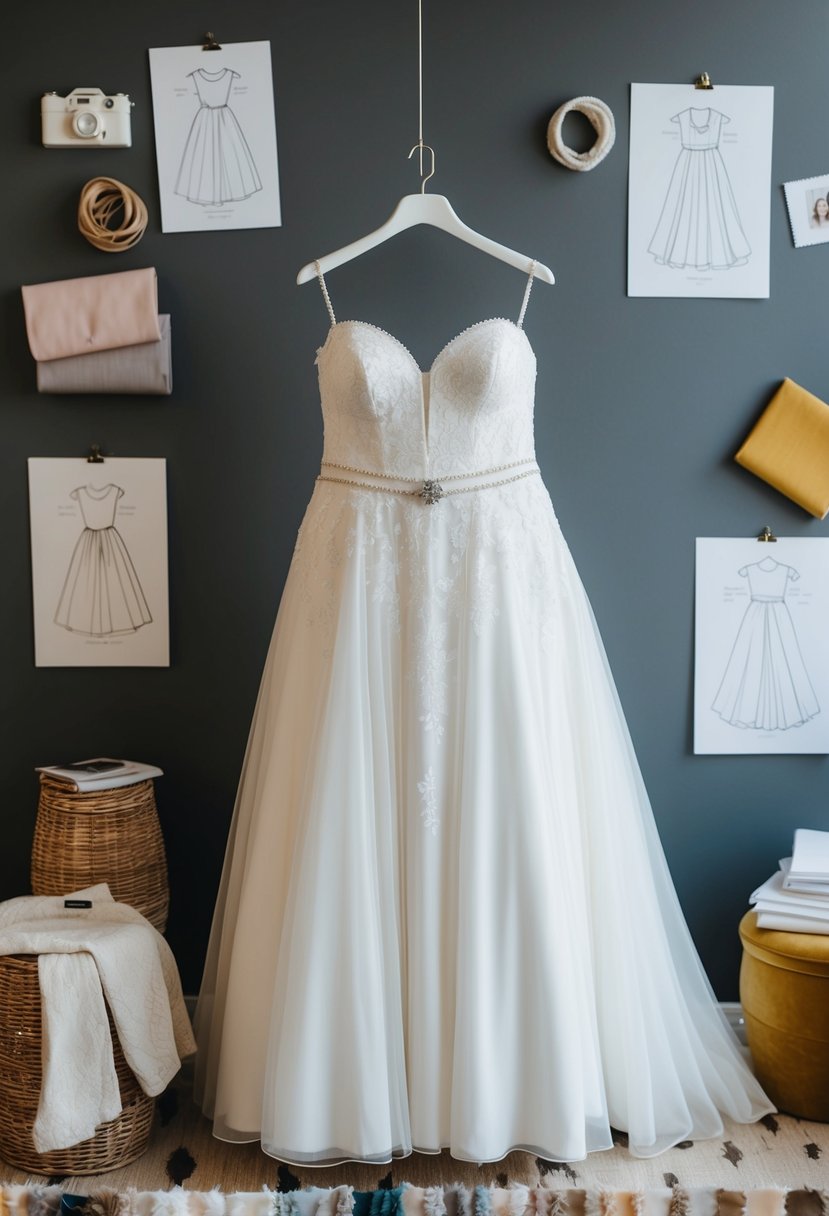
[100,773]
[796,898]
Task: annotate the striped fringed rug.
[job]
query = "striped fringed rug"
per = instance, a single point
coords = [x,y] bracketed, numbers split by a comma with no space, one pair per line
[407,1200]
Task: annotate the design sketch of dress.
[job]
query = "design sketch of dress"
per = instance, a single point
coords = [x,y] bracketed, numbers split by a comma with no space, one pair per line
[217,165]
[101,593]
[766,685]
[699,225]
[445,917]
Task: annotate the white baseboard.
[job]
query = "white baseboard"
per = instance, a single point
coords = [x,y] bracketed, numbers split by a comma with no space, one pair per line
[733,1010]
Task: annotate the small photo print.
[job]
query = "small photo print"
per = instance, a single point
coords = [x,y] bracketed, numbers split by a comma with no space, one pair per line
[808,204]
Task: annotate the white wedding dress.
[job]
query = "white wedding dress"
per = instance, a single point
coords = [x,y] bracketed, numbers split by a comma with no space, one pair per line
[445,917]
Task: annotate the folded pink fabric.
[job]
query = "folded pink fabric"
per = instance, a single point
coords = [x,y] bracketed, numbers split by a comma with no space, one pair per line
[99,312]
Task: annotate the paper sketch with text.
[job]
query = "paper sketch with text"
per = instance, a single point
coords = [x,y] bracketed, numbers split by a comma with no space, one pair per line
[99,562]
[700,224]
[101,593]
[217,165]
[766,685]
[699,190]
[215,137]
[762,657]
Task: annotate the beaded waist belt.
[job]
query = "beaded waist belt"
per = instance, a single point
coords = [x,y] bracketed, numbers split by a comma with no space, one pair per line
[432,489]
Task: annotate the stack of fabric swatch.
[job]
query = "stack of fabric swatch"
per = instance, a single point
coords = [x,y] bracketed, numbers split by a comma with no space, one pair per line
[99,334]
[796,898]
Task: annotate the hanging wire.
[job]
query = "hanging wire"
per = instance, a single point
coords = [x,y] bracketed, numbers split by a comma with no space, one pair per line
[420,81]
[420,146]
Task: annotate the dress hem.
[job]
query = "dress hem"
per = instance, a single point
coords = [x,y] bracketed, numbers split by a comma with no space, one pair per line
[395,1155]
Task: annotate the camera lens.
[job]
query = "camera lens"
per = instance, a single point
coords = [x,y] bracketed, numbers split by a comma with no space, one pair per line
[109,103]
[86,124]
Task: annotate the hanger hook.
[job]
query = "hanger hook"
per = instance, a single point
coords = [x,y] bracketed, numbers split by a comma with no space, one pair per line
[420,146]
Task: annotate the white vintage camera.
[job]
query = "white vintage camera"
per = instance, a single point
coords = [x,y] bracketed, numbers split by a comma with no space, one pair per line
[86,118]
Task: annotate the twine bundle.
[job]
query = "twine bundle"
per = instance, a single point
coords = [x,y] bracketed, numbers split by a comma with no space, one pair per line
[101,201]
[600,117]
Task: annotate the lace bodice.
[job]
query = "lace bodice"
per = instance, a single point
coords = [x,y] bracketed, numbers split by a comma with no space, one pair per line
[767,579]
[700,128]
[213,88]
[97,505]
[471,411]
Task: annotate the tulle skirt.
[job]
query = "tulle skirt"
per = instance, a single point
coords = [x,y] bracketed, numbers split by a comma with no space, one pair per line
[216,166]
[700,226]
[445,918]
[102,594]
[766,685]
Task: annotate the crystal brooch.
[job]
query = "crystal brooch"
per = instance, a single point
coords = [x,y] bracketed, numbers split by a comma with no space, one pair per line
[431,492]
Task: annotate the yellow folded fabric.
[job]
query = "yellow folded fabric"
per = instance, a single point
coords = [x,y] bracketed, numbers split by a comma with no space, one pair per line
[789,447]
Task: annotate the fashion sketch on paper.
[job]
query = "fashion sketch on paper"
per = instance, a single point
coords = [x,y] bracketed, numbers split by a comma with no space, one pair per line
[442,853]
[101,593]
[700,226]
[766,685]
[217,165]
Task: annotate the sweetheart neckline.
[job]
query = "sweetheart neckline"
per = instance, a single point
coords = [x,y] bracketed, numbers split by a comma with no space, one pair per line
[427,371]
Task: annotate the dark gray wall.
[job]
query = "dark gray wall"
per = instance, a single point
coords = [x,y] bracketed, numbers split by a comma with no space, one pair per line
[640,402]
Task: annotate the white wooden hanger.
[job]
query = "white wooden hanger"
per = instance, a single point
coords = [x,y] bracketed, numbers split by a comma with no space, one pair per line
[423,208]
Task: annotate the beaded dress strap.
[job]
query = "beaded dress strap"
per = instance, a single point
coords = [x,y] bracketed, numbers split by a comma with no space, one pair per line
[526,300]
[326,296]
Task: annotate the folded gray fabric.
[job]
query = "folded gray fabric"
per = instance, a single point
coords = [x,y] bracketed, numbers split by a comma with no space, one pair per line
[145,368]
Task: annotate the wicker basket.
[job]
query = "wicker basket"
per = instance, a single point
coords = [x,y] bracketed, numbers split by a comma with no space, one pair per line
[114,1144]
[111,836]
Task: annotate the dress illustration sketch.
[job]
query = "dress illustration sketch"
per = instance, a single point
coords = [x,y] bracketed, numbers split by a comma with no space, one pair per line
[216,165]
[101,593]
[445,918]
[766,685]
[700,225]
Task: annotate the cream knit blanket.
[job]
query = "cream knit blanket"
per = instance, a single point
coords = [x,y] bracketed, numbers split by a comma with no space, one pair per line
[85,955]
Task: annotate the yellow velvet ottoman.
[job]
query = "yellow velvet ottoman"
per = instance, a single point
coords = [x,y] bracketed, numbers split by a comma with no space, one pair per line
[784,989]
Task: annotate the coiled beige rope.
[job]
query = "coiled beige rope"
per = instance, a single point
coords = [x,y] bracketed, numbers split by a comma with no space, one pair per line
[600,117]
[101,200]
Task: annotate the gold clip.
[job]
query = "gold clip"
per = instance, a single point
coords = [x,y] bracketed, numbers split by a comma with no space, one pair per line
[703,81]
[767,536]
[210,43]
[95,456]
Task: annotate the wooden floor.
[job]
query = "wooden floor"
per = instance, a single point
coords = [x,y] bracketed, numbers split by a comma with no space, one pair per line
[779,1151]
